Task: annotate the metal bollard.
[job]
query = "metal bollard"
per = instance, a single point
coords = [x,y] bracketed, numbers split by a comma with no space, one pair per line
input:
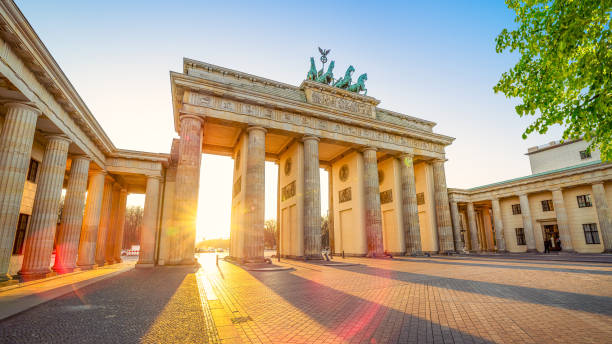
[342,254]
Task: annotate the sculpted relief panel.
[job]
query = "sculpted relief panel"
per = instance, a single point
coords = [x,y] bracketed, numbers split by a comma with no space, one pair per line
[218,103]
[342,104]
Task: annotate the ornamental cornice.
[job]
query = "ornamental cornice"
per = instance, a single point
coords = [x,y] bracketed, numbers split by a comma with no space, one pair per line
[210,94]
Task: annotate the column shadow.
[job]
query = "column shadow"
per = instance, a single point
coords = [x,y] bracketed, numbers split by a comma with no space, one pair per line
[560,299]
[515,267]
[355,319]
[511,259]
[121,309]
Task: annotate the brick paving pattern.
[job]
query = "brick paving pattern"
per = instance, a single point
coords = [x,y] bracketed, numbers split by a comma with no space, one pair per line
[404,300]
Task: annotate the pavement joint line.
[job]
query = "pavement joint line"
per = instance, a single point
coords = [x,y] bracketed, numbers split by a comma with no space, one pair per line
[210,323]
[12,305]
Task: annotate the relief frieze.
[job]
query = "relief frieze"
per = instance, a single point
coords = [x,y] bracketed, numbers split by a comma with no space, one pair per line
[288,191]
[302,120]
[344,195]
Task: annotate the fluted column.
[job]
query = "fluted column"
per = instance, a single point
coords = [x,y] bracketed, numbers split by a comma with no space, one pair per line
[454,209]
[605,225]
[16,141]
[312,199]
[118,244]
[255,195]
[186,190]
[373,222]
[330,212]
[109,250]
[39,240]
[105,220]
[149,223]
[471,214]
[499,225]
[410,210]
[443,220]
[72,216]
[562,221]
[527,224]
[91,221]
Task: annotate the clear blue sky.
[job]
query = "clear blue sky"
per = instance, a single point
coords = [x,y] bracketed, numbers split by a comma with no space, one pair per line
[434,60]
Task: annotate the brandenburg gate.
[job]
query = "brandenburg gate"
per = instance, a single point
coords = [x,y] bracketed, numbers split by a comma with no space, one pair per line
[387,185]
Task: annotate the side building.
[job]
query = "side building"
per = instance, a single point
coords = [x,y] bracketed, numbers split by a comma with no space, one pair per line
[49,142]
[565,201]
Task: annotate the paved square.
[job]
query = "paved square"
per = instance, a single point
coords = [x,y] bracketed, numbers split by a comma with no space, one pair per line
[404,300]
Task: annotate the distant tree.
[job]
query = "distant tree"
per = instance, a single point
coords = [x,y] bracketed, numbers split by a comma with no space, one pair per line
[324,231]
[564,73]
[132,226]
[270,234]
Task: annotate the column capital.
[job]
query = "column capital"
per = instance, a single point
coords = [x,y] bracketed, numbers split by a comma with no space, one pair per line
[97,172]
[556,188]
[310,137]
[251,128]
[187,116]
[597,182]
[116,186]
[406,155]
[123,191]
[29,106]
[438,160]
[153,176]
[58,137]
[369,148]
[80,157]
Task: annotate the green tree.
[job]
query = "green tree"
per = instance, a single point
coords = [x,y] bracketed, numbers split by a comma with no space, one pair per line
[564,73]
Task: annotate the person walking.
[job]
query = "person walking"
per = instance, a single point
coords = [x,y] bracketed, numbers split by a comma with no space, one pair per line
[547,245]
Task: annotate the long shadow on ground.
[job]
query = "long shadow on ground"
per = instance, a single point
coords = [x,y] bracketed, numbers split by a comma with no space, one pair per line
[560,299]
[512,267]
[128,308]
[358,320]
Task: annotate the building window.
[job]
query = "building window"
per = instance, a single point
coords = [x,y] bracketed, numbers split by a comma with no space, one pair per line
[520,236]
[22,225]
[590,233]
[516,209]
[33,171]
[547,205]
[584,155]
[584,201]
[420,198]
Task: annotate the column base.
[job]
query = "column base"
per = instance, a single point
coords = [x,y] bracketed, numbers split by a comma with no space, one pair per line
[254,260]
[145,265]
[447,252]
[607,250]
[501,251]
[31,276]
[88,267]
[66,270]
[532,250]
[314,257]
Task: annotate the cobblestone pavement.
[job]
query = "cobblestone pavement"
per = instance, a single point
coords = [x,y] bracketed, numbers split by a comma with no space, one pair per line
[138,306]
[424,300]
[403,300]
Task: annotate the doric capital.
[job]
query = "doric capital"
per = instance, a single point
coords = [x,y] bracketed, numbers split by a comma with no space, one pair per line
[598,182]
[369,148]
[153,176]
[256,128]
[406,155]
[80,157]
[58,137]
[29,106]
[310,137]
[194,117]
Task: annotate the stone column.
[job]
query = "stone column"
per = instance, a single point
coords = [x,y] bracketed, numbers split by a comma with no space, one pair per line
[149,223]
[72,216]
[255,195]
[330,212]
[527,224]
[562,221]
[109,250]
[454,208]
[39,240]
[105,220]
[443,219]
[91,220]
[16,141]
[471,214]
[312,199]
[605,225]
[499,225]
[410,210]
[373,222]
[118,244]
[186,190]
